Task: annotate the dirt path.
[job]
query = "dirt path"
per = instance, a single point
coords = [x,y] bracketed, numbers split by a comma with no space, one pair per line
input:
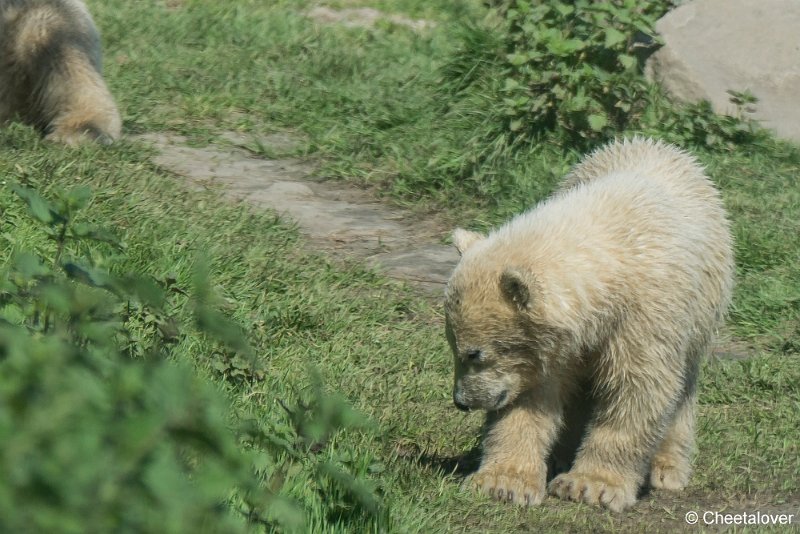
[338,218]
[345,221]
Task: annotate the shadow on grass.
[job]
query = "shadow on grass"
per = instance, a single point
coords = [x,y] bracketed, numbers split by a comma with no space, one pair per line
[460,466]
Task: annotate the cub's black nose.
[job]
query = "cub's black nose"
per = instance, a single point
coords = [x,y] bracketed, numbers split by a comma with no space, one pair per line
[460,406]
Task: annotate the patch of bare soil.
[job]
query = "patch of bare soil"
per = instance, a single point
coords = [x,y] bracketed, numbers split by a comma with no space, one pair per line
[729,348]
[342,220]
[365,17]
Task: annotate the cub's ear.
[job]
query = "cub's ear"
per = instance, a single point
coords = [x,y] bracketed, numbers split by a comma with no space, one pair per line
[463,239]
[518,286]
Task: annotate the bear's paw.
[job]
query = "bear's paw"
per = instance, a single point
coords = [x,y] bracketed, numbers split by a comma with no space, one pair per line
[669,475]
[525,489]
[610,492]
[79,136]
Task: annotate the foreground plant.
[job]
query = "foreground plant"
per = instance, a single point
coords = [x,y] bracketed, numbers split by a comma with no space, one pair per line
[101,432]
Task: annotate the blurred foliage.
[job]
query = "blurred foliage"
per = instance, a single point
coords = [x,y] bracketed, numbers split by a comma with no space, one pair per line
[102,433]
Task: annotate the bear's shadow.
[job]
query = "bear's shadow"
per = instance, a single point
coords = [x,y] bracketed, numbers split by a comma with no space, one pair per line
[559,461]
[463,465]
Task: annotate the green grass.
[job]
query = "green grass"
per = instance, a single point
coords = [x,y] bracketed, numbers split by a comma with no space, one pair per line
[372,105]
[367,103]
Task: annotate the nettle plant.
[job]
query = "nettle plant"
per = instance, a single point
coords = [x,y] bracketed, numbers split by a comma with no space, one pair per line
[573,67]
[105,430]
[697,124]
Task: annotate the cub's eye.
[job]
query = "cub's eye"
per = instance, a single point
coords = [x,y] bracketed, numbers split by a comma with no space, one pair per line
[474,355]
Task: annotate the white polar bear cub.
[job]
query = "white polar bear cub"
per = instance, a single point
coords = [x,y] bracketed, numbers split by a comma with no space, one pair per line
[586,319]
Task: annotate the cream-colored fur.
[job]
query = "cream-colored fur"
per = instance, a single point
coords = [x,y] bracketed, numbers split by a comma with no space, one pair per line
[50,71]
[597,304]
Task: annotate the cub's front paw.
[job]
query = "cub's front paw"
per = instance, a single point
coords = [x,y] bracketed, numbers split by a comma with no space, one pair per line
[669,473]
[526,489]
[79,136]
[602,489]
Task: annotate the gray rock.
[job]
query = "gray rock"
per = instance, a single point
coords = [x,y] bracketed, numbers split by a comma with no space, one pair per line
[713,46]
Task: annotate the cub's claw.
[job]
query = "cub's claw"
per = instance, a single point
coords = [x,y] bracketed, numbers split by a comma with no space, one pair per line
[509,486]
[595,489]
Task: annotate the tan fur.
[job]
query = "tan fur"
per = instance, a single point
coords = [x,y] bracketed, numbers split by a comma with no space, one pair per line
[593,310]
[50,71]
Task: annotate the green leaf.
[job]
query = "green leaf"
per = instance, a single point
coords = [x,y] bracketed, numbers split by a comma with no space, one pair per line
[597,122]
[627,61]
[539,102]
[510,84]
[376,468]
[96,233]
[614,37]
[222,329]
[30,266]
[164,480]
[287,513]
[564,9]
[220,366]
[579,102]
[144,289]
[99,332]
[88,275]
[57,297]
[516,59]
[565,47]
[78,197]
[40,209]
[359,490]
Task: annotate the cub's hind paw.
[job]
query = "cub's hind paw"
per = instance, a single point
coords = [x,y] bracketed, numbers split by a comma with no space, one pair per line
[77,136]
[510,486]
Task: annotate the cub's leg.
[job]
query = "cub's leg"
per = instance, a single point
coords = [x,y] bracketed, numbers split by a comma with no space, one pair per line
[515,448]
[75,99]
[671,465]
[637,385]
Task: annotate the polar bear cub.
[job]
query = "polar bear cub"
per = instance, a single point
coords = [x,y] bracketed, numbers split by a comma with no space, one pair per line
[586,319]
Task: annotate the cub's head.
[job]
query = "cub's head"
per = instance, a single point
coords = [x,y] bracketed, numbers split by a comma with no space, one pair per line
[492,327]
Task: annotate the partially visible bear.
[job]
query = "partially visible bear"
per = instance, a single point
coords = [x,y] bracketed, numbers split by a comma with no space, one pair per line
[586,319]
[50,71]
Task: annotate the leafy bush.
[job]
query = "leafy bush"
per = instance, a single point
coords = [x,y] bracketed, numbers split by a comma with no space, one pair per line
[101,433]
[569,67]
[573,71]
[698,125]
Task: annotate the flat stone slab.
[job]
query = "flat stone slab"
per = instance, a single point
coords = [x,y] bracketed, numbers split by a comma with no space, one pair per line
[339,219]
[364,17]
[712,46]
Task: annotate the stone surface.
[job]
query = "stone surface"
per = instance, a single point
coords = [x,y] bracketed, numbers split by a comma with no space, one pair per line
[364,17]
[712,46]
[339,219]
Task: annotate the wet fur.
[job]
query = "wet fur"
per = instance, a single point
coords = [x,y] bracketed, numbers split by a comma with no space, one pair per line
[584,321]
